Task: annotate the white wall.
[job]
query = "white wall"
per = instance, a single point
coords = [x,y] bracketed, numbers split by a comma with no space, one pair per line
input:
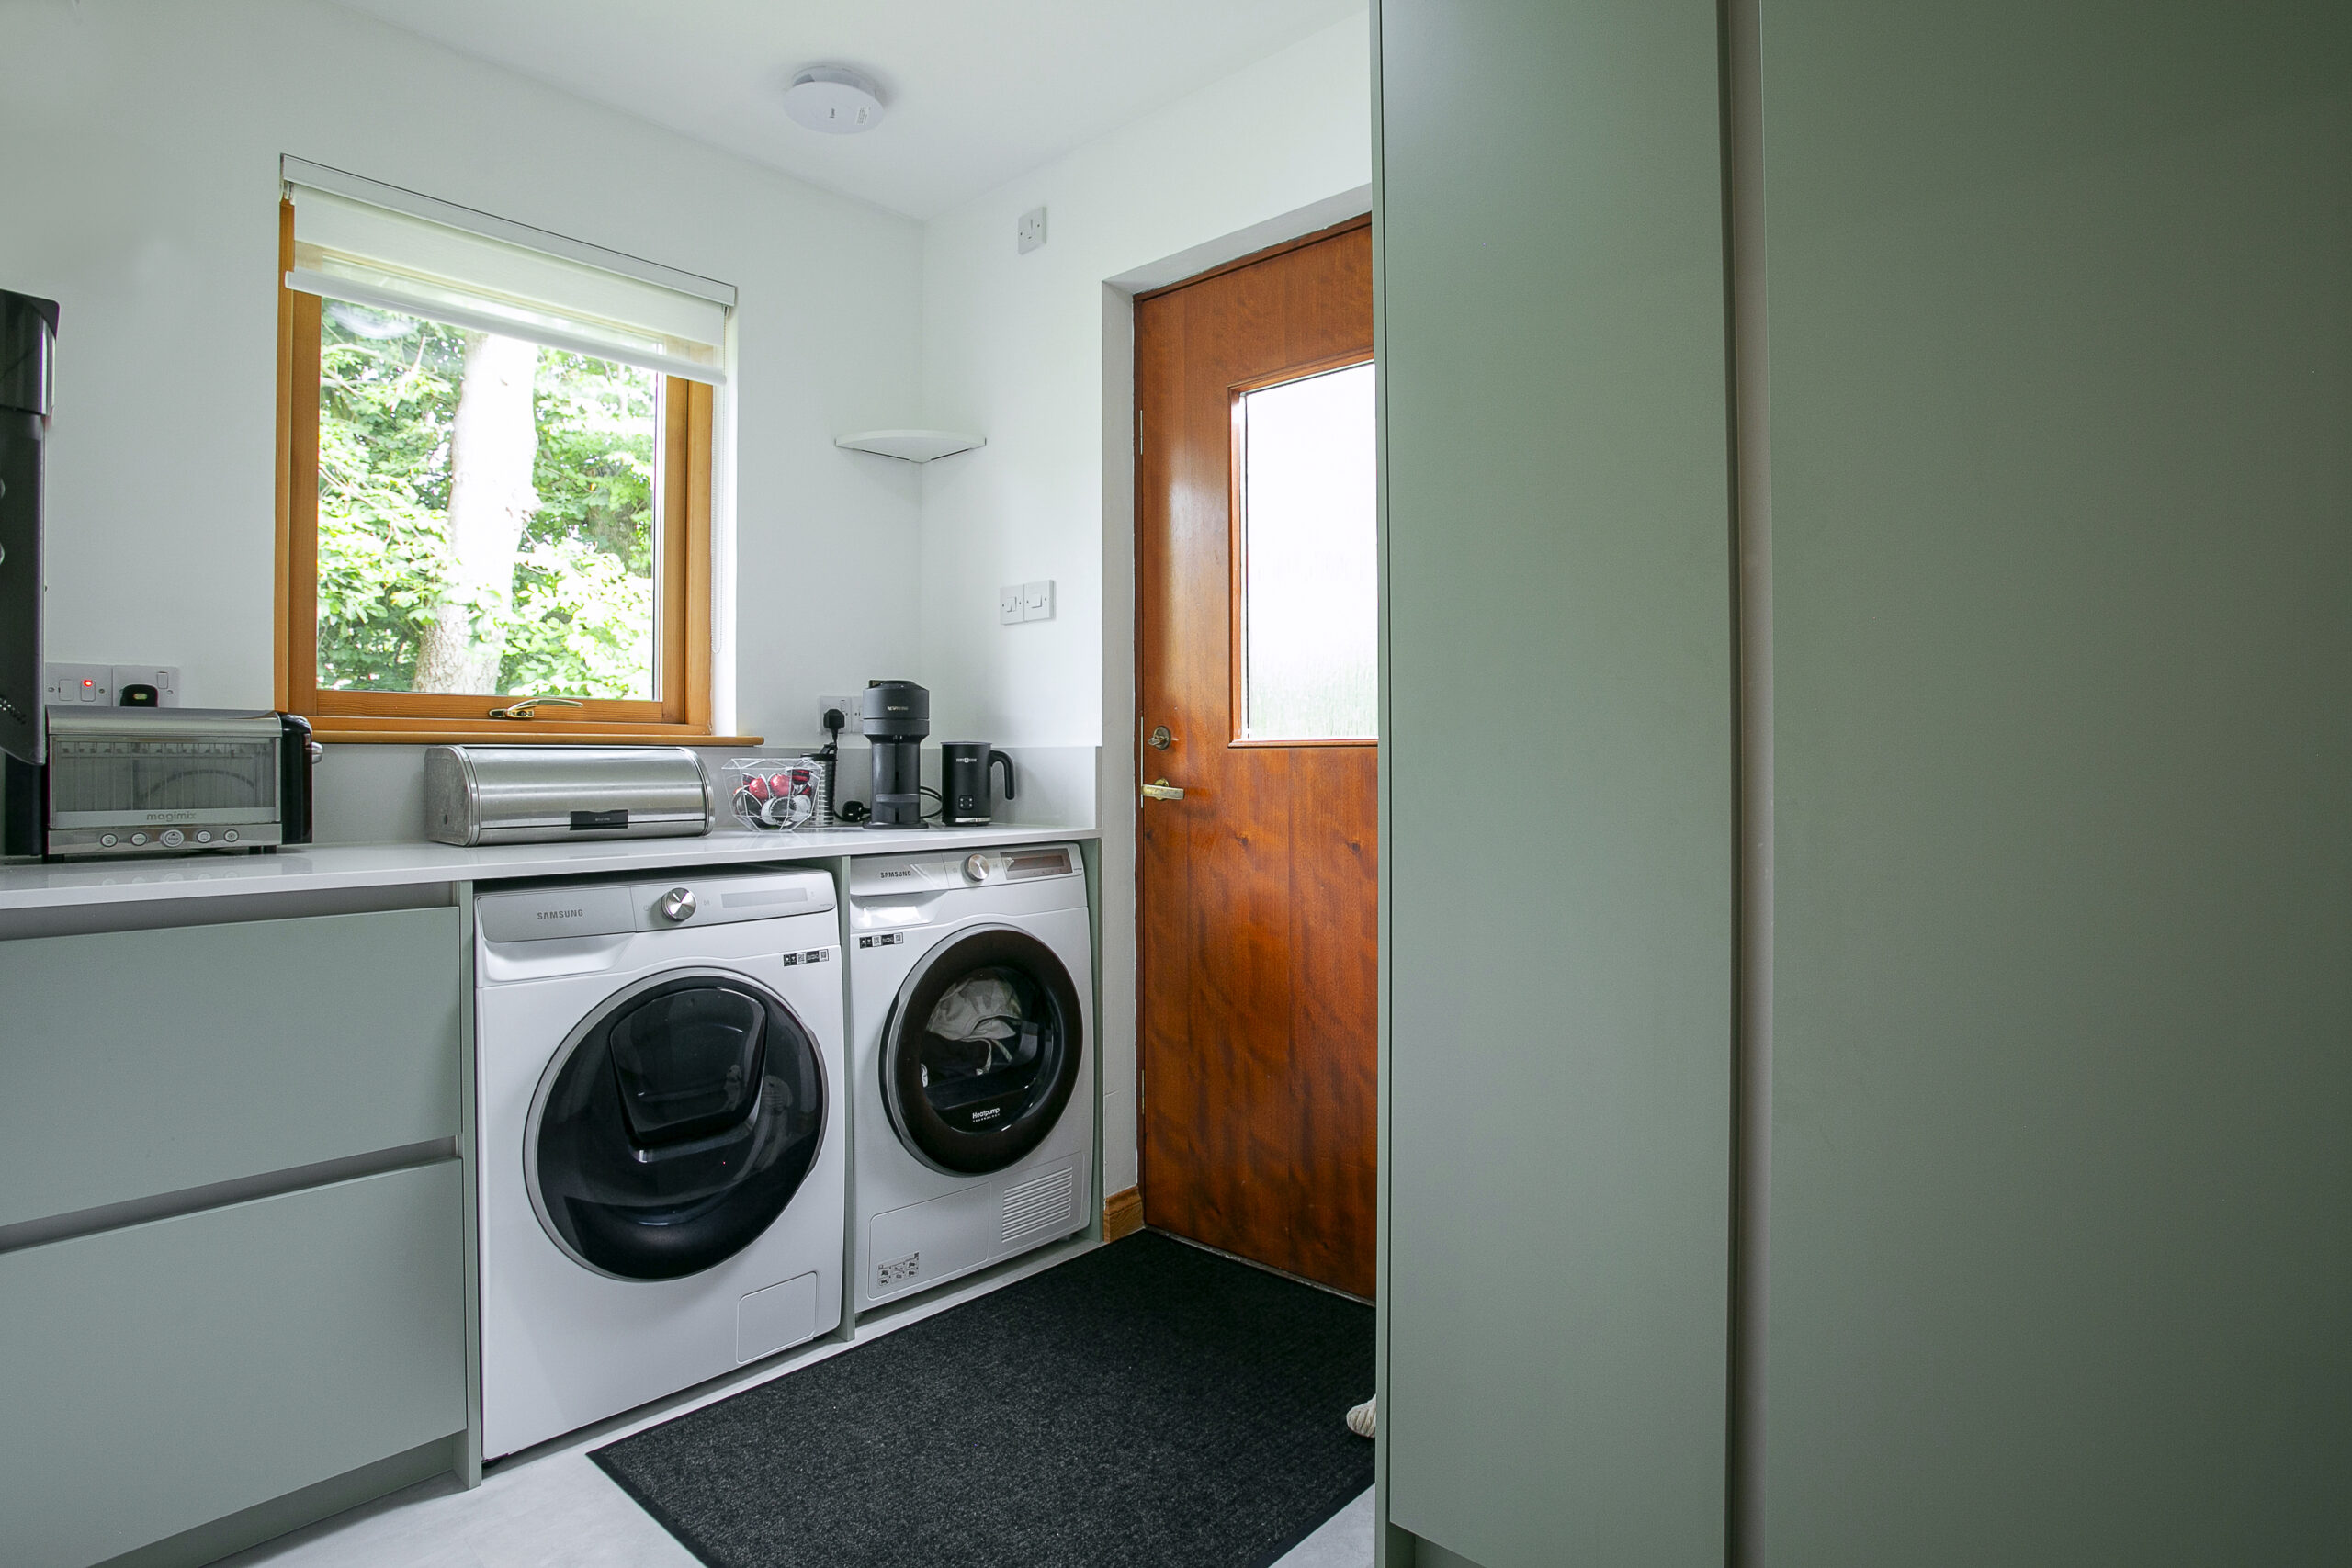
[1034,352]
[140,192]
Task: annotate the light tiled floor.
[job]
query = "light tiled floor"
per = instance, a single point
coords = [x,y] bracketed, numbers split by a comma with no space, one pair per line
[553,1508]
[1344,1541]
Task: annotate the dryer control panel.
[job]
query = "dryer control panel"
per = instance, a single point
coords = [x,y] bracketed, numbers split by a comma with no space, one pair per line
[984,868]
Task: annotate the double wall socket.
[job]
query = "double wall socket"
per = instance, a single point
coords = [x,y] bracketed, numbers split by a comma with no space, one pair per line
[1025,602]
[848,707]
[100,686]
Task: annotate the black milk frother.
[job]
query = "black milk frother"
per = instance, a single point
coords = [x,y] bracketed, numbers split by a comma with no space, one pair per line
[964,782]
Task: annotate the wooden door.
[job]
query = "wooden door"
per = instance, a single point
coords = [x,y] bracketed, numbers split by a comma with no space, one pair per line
[1258,926]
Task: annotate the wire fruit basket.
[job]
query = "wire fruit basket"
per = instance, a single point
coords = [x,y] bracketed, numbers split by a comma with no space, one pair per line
[778,794]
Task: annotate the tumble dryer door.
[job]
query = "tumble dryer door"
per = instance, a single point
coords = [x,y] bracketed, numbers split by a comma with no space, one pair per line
[674,1125]
[981,1052]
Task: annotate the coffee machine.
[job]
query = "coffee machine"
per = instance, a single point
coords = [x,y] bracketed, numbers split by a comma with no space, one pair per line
[895,716]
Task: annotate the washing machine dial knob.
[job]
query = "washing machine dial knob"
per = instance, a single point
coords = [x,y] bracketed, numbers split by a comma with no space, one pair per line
[975,868]
[678,904]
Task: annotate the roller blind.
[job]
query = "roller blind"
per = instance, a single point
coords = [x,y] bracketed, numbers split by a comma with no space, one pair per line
[395,249]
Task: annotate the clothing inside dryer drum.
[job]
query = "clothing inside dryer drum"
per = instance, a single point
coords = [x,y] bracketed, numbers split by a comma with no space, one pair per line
[678,1129]
[987,1042]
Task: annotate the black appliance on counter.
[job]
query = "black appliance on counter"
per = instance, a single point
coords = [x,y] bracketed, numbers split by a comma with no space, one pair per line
[964,782]
[28,352]
[135,781]
[895,716]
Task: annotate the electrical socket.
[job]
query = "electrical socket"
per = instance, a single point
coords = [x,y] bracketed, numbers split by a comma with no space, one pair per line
[165,678]
[848,707]
[1030,233]
[100,686]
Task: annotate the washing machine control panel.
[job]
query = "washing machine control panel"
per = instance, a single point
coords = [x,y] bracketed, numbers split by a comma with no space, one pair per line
[617,908]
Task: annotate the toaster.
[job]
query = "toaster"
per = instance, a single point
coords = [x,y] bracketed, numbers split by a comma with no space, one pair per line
[139,782]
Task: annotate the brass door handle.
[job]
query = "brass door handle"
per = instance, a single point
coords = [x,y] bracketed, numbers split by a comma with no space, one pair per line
[1163,790]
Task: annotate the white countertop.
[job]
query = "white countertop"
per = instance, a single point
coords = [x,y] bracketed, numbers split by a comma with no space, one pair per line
[328,867]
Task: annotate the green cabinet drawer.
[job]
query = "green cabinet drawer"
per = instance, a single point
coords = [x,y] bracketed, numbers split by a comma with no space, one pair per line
[140,1062]
[156,1378]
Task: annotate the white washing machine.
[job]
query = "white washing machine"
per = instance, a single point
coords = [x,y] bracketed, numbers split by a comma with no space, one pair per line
[659,1066]
[972,1006]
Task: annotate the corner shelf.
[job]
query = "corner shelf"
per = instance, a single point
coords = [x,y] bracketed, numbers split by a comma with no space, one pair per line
[911,446]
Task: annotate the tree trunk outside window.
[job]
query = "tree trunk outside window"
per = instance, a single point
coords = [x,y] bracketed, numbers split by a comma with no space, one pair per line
[494,442]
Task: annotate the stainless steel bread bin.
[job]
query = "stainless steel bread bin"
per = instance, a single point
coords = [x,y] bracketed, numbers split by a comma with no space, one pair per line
[521,794]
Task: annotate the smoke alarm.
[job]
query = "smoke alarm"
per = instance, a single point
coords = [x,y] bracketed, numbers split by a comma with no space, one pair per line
[832,100]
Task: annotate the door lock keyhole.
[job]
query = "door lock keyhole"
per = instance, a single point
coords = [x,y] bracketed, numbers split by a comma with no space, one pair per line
[1160,738]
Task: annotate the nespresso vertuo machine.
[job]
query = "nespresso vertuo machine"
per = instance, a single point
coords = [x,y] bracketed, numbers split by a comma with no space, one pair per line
[895,716]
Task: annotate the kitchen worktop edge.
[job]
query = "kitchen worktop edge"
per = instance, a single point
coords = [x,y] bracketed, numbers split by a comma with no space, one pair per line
[338,867]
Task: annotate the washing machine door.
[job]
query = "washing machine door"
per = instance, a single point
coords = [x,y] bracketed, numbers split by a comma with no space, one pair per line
[981,1051]
[674,1125]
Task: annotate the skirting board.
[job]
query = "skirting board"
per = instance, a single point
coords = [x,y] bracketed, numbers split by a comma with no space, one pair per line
[1123,1213]
[206,1544]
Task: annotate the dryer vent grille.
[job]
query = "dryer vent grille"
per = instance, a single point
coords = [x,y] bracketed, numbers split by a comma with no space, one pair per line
[1035,1204]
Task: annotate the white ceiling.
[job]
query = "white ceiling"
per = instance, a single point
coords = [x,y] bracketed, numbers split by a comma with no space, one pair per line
[977,92]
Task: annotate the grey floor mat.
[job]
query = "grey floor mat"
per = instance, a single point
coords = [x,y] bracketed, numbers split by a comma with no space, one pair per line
[1145,1403]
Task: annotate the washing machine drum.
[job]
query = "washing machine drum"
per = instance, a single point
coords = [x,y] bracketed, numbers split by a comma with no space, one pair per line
[675,1126]
[981,1053]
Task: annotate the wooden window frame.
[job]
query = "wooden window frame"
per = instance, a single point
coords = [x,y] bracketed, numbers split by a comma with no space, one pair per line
[680,712]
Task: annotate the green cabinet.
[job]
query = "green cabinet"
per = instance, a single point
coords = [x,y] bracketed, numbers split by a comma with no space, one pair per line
[232,1229]
[146,1062]
[159,1377]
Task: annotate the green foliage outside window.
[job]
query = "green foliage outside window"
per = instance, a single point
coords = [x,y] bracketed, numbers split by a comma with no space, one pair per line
[573,614]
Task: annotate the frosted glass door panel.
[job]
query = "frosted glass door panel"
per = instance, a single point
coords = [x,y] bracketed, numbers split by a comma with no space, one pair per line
[1310,608]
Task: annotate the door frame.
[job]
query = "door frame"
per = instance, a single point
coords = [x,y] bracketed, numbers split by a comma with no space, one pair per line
[1117,999]
[1130,819]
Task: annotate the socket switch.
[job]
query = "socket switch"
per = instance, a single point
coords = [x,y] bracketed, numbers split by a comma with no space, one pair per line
[1025,602]
[82,685]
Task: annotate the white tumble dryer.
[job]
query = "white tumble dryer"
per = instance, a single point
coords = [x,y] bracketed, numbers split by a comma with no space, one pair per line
[662,1142]
[972,1012]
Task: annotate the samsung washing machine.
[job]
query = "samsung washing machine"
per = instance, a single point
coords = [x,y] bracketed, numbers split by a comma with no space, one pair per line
[660,1069]
[972,1006]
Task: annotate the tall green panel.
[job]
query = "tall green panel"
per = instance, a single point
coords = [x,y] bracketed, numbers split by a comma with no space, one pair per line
[2061,338]
[1557,864]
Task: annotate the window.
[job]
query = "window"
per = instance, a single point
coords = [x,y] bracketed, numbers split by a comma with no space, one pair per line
[1307,614]
[495,476]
